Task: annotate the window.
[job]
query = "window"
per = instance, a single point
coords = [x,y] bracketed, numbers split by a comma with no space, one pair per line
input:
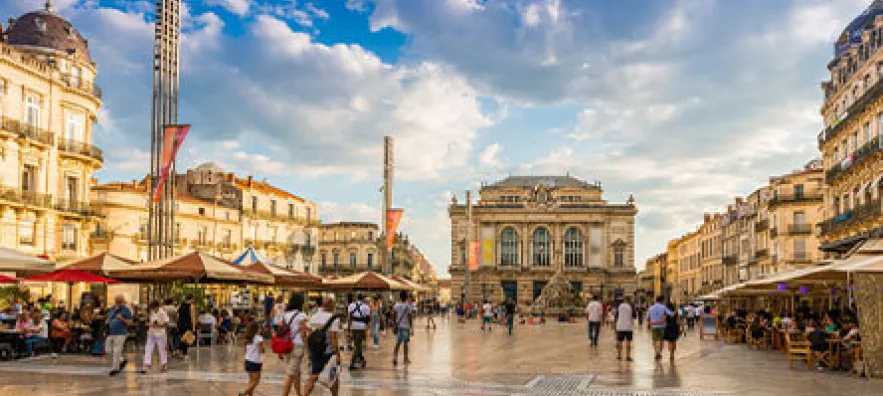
[324,260]
[254,204]
[69,237]
[202,235]
[76,76]
[291,211]
[370,261]
[800,250]
[853,143]
[29,179]
[335,259]
[70,189]
[573,248]
[26,230]
[541,247]
[228,237]
[352,260]
[32,111]
[254,232]
[309,213]
[273,208]
[799,218]
[307,239]
[618,258]
[509,247]
[202,211]
[868,133]
[74,128]
[798,191]
[272,233]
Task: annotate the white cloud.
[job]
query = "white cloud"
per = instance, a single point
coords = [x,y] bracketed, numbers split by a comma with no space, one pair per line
[238,7]
[488,156]
[316,11]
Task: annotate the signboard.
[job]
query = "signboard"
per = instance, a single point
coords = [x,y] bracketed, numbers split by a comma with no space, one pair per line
[474,247]
[487,246]
[708,327]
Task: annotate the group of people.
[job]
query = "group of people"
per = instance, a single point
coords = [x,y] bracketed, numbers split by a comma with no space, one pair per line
[664,321]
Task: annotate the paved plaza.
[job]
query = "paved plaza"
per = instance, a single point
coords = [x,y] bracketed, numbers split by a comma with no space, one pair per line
[458,359]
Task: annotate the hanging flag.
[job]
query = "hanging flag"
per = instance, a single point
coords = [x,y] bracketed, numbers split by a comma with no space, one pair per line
[474,248]
[392,224]
[173,137]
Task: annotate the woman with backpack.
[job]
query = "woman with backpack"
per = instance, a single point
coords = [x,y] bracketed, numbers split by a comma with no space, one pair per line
[323,346]
[292,332]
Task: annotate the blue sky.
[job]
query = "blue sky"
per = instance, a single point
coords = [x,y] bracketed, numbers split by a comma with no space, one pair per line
[684,104]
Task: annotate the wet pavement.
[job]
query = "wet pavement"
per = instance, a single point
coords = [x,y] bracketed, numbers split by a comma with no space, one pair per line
[458,359]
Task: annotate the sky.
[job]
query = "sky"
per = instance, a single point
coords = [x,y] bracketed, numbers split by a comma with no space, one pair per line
[682,103]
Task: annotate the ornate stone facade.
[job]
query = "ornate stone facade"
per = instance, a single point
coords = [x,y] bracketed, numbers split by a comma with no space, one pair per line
[531,227]
[869,300]
[349,247]
[48,105]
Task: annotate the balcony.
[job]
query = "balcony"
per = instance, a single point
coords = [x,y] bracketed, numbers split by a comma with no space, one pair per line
[857,157]
[850,113]
[80,148]
[83,86]
[731,259]
[101,235]
[26,197]
[796,198]
[26,131]
[74,207]
[800,229]
[762,253]
[858,215]
[762,225]
[774,233]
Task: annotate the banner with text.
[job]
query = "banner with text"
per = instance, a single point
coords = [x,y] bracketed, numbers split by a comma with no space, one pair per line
[393,216]
[487,246]
[474,247]
[173,137]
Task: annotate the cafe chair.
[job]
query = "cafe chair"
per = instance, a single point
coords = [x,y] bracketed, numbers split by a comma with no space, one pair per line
[205,331]
[799,350]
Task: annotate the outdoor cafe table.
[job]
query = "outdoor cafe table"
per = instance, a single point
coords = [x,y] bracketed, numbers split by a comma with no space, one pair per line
[14,338]
[834,349]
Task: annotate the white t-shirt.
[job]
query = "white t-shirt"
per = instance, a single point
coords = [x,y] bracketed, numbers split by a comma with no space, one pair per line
[595,311]
[624,319]
[402,312]
[208,318]
[488,310]
[690,311]
[44,329]
[158,318]
[363,311]
[319,319]
[253,351]
[295,322]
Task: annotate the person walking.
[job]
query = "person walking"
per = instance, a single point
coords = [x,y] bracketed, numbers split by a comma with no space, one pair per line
[376,318]
[624,329]
[429,308]
[119,318]
[487,316]
[295,319]
[673,330]
[172,336]
[324,319]
[253,364]
[404,315]
[186,322]
[656,321]
[595,314]
[510,314]
[158,321]
[359,315]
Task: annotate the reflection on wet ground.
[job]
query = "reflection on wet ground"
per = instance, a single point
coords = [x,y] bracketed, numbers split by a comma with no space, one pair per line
[458,359]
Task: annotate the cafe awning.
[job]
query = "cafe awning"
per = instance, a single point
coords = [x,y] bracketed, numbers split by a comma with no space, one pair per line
[365,281]
[285,277]
[101,263]
[20,263]
[192,267]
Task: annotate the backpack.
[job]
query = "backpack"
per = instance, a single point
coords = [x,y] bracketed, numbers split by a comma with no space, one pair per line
[361,318]
[317,341]
[282,342]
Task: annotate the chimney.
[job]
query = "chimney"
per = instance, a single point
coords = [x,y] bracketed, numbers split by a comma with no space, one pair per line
[250,181]
[739,200]
[707,217]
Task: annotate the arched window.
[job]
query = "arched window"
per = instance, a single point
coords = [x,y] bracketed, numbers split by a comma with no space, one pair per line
[541,247]
[509,247]
[573,248]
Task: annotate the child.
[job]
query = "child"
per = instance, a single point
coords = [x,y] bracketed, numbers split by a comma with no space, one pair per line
[253,351]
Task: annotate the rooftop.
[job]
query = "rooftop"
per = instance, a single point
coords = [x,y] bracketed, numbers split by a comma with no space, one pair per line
[547,181]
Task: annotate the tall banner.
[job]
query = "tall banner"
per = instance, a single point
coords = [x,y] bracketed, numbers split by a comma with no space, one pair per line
[173,137]
[487,246]
[474,247]
[392,224]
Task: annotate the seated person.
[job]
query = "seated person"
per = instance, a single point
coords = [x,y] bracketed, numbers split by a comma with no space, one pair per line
[61,330]
[756,329]
[31,324]
[818,340]
[225,326]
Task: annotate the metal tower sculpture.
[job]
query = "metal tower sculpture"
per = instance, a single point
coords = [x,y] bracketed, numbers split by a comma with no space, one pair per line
[166,46]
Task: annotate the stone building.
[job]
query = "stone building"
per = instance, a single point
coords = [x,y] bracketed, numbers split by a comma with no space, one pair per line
[684,254]
[48,105]
[532,227]
[216,212]
[346,248]
[657,266]
[711,268]
[851,141]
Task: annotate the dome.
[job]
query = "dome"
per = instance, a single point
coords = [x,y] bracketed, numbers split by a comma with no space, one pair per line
[852,35]
[44,29]
[210,167]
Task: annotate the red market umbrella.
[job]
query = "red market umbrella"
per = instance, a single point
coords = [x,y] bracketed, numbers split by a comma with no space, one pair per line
[70,276]
[8,279]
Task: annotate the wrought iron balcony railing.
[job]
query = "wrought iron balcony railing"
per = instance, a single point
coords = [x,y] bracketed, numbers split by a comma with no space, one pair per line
[71,206]
[78,83]
[81,148]
[26,131]
[796,198]
[26,197]
[857,157]
[869,210]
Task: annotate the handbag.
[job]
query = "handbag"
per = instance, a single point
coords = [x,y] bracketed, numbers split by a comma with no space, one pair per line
[188,338]
[330,372]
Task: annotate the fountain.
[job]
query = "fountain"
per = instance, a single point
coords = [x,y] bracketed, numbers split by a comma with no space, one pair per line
[558,297]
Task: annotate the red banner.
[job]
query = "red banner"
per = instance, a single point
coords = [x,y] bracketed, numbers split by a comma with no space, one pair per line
[173,137]
[474,249]
[392,224]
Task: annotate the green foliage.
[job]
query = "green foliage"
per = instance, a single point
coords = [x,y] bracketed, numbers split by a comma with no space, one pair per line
[179,290]
[9,293]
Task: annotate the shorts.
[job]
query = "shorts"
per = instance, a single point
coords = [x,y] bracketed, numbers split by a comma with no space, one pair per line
[403,336]
[658,333]
[295,360]
[253,367]
[623,336]
[317,363]
[487,319]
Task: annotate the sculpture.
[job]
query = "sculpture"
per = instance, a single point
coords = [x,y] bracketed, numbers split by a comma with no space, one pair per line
[559,294]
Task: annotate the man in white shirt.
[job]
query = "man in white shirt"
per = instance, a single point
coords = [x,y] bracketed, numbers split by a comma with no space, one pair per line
[624,328]
[595,313]
[487,315]
[359,314]
[294,318]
